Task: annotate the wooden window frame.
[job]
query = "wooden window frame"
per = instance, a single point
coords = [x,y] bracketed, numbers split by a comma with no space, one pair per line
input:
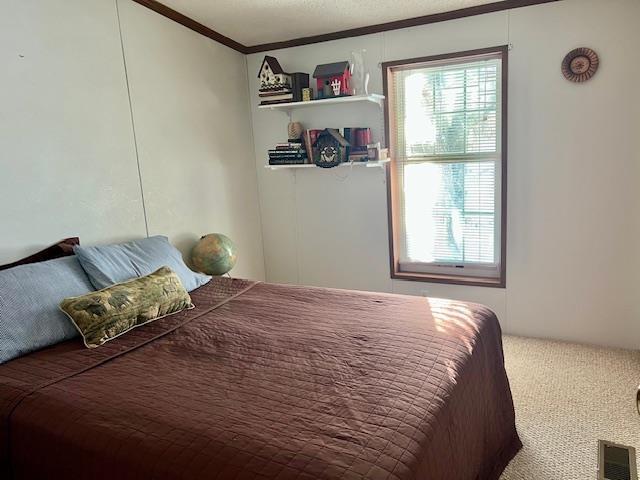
[392,193]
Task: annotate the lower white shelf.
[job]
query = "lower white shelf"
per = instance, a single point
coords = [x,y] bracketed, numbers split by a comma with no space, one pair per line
[371,164]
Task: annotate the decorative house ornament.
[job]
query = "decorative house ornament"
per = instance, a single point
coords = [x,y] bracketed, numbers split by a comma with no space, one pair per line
[333,79]
[330,148]
[580,65]
[272,76]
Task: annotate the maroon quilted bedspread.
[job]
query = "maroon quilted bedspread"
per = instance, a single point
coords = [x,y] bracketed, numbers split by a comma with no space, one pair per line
[265,381]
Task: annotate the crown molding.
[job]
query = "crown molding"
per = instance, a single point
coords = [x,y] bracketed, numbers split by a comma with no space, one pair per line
[192,24]
[353,32]
[398,24]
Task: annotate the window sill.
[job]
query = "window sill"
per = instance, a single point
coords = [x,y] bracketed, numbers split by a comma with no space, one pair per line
[450,279]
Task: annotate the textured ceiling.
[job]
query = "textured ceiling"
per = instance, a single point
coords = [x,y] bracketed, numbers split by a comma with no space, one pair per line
[253,22]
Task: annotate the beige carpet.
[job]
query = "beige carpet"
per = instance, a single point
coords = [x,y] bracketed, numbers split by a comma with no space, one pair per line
[567,397]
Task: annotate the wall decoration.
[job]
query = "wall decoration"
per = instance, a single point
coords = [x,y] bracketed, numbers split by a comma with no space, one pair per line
[333,79]
[330,148]
[580,65]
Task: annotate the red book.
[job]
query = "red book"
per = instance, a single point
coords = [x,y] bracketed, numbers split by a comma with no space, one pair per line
[314,135]
[363,137]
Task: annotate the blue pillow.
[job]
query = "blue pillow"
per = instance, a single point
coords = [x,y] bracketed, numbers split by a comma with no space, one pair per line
[29,297]
[109,264]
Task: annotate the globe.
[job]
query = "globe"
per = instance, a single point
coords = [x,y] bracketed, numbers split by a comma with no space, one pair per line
[214,254]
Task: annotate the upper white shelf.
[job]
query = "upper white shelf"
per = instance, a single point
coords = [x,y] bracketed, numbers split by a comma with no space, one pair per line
[372,97]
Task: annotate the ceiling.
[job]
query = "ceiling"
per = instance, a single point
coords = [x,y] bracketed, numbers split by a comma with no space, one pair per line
[254,22]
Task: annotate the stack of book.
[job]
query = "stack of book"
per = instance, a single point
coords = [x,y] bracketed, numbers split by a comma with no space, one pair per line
[281,95]
[359,139]
[358,154]
[288,154]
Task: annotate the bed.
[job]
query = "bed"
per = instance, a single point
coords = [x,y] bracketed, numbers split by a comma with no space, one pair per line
[265,381]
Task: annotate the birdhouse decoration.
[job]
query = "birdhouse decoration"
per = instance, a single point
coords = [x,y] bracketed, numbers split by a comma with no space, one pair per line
[272,76]
[332,79]
[275,83]
[330,148]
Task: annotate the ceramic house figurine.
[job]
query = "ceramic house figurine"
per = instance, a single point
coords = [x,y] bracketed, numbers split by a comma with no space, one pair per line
[330,148]
[333,79]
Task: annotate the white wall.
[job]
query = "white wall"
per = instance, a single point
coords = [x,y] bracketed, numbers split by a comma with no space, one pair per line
[67,153]
[67,159]
[192,123]
[573,267]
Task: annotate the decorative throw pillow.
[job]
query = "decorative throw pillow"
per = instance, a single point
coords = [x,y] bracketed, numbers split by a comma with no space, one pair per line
[103,315]
[63,248]
[29,299]
[116,263]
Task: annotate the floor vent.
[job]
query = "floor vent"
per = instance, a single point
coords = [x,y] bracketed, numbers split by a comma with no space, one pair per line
[616,462]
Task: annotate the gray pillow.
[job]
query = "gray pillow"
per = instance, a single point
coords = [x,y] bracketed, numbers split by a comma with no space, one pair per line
[109,264]
[29,297]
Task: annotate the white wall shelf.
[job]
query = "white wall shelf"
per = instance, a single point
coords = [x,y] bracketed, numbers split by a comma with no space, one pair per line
[371,164]
[372,98]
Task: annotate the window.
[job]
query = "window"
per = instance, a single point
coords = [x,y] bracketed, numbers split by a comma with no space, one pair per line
[446,127]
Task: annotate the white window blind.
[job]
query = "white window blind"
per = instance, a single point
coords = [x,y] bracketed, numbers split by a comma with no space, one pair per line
[446,139]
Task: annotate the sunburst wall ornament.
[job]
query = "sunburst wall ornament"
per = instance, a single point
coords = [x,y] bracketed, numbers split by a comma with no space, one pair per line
[580,65]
